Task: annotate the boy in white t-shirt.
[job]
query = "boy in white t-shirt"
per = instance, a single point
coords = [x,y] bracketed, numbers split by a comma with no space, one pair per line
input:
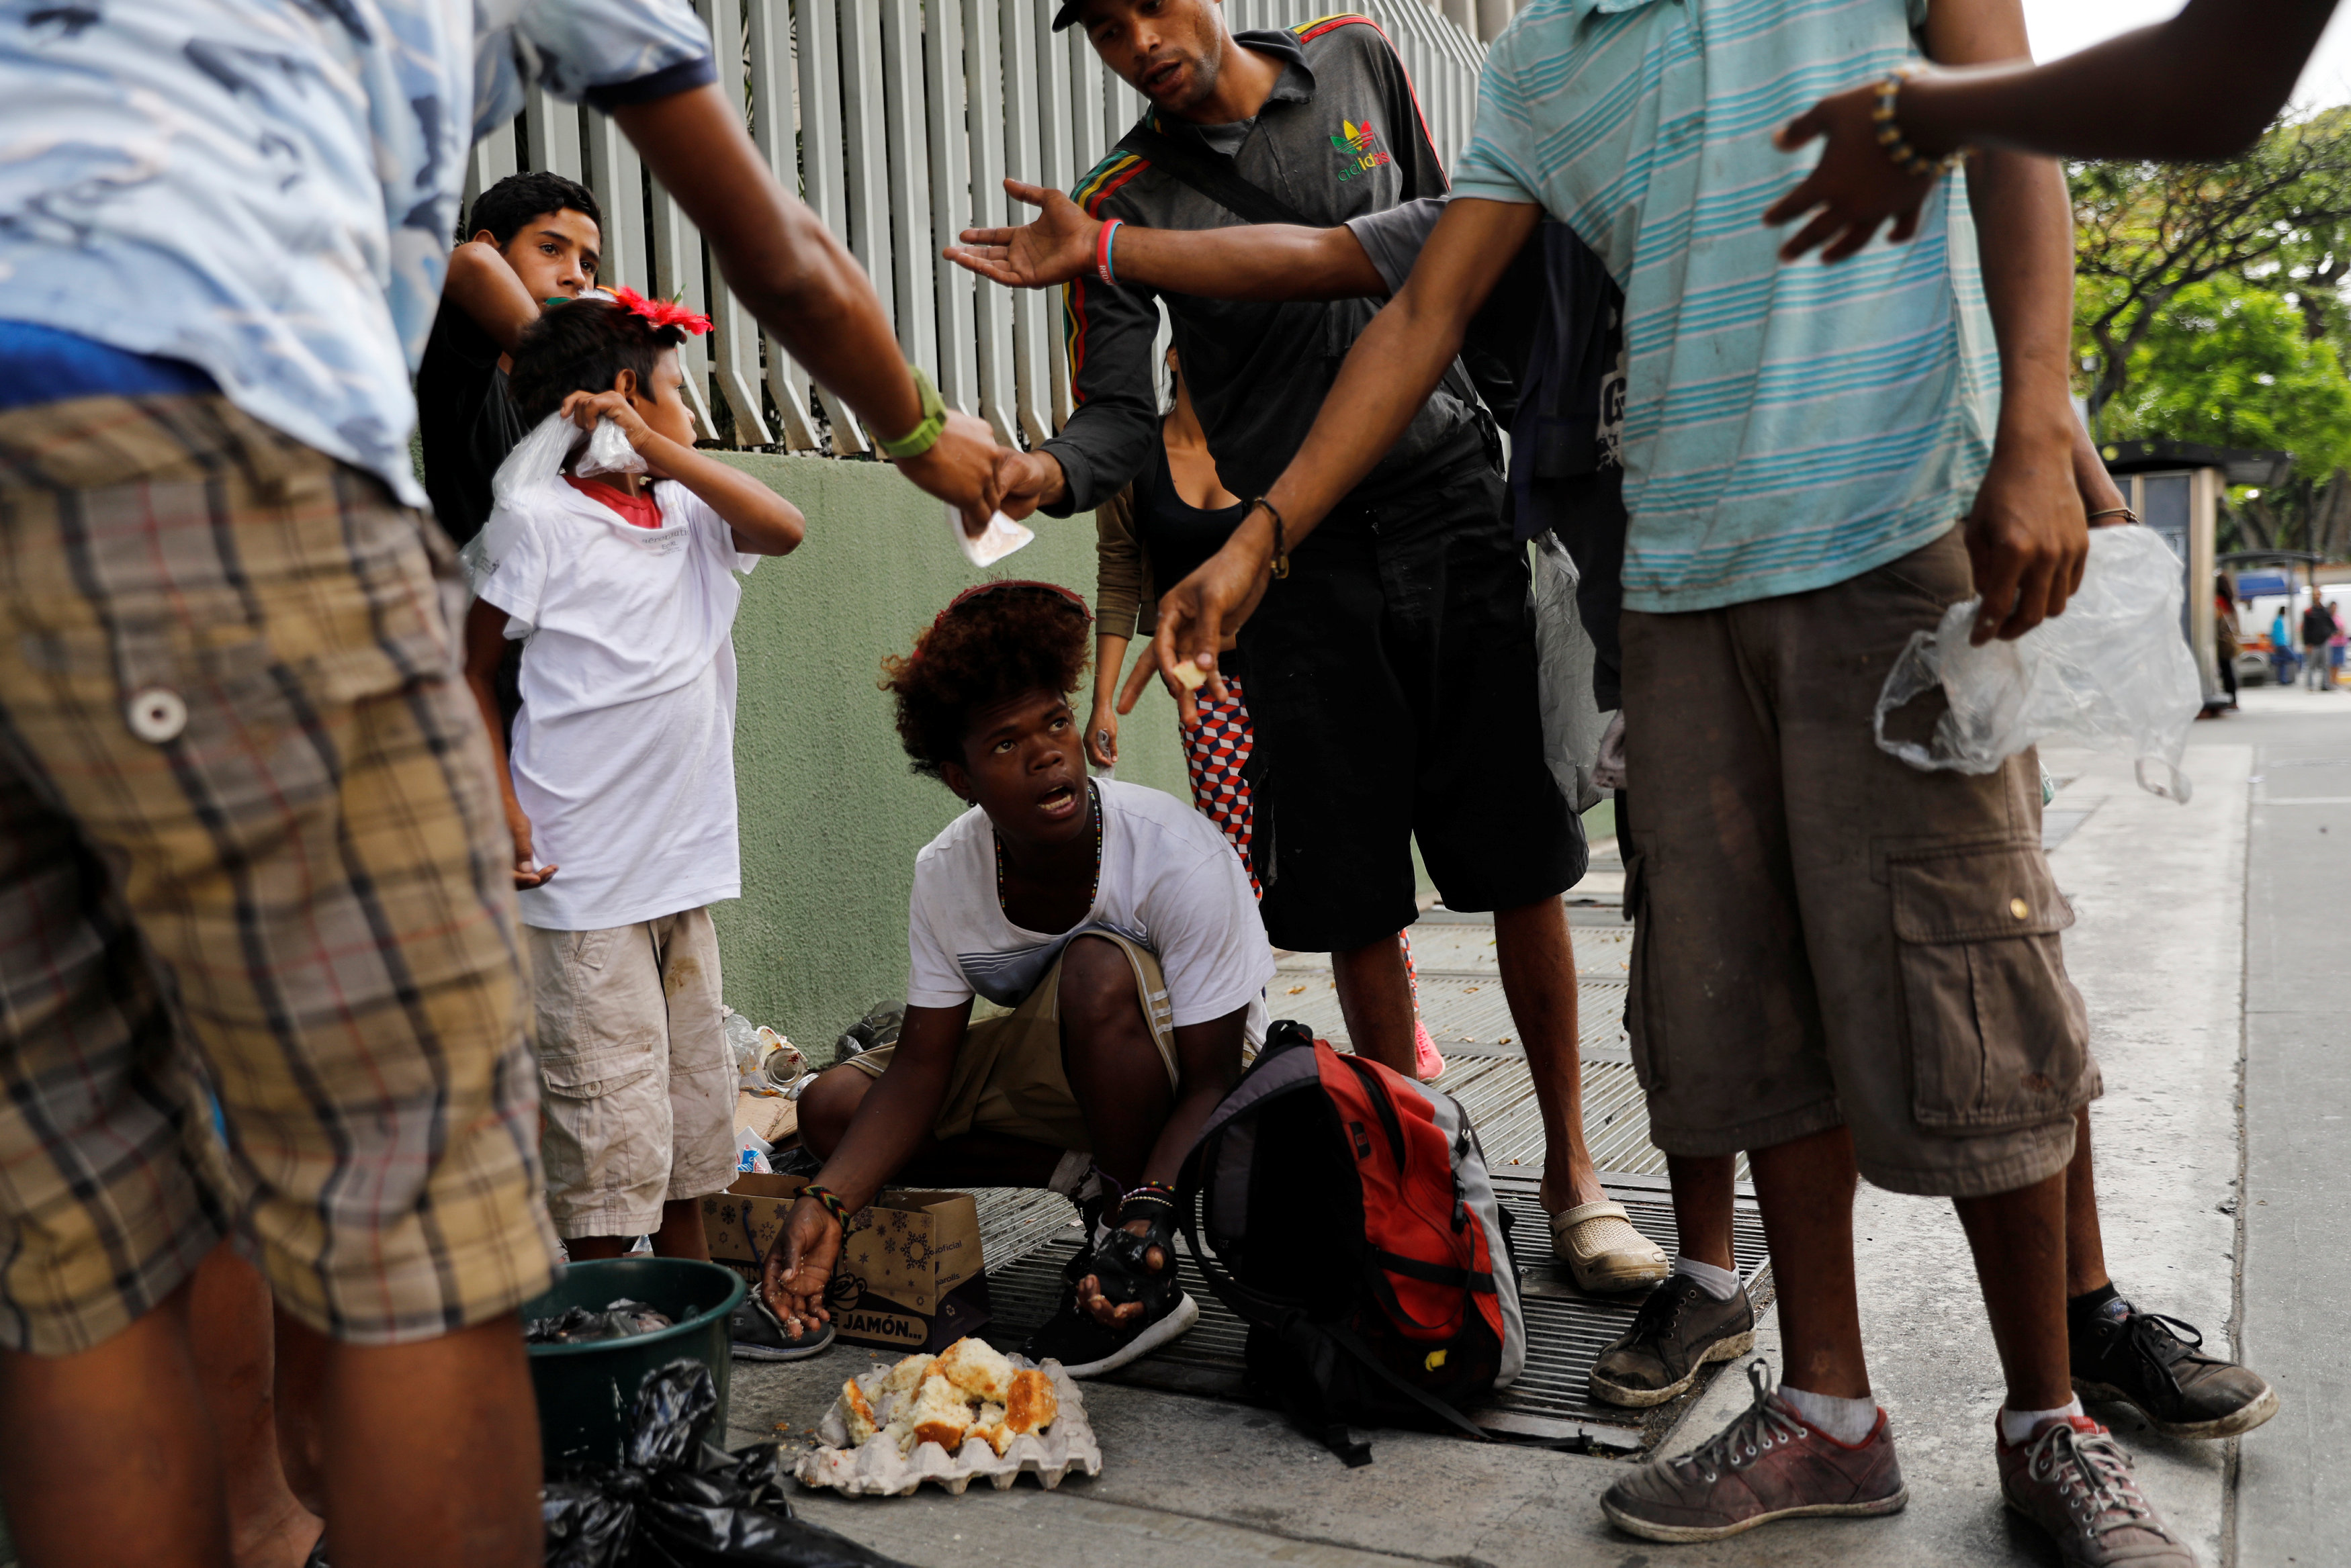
[1117,925]
[622,774]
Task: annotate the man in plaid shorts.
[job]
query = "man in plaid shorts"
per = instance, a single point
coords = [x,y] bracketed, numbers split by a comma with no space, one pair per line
[257,945]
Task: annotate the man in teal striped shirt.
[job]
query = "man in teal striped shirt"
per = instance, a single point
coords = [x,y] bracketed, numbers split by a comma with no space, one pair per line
[1842,964]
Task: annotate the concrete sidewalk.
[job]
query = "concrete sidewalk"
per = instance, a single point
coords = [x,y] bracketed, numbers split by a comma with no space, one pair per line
[2159,889]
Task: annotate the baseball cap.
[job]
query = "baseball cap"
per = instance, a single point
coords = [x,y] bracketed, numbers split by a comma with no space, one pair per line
[1067,14]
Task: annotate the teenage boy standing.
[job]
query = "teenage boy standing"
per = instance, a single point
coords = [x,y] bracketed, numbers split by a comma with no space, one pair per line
[1798,444]
[536,236]
[1415,609]
[254,839]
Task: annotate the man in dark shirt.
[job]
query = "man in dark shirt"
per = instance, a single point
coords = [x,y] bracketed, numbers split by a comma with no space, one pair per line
[535,237]
[2317,629]
[1392,677]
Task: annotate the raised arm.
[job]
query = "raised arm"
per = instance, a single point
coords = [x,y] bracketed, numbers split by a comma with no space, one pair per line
[1266,261]
[2200,85]
[803,285]
[1390,372]
[486,288]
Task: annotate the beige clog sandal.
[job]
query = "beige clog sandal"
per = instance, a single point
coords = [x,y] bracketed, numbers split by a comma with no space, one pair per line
[1602,1250]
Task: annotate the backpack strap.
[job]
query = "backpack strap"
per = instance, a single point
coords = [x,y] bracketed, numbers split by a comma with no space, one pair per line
[1213,176]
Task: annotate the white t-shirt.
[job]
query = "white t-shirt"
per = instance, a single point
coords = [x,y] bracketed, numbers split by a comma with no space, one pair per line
[623,755]
[1169,882]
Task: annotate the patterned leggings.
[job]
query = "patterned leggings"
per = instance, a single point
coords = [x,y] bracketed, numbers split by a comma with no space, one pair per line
[1214,754]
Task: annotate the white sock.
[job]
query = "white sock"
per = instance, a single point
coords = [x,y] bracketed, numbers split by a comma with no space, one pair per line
[2015,1426]
[1720,1283]
[1846,1420]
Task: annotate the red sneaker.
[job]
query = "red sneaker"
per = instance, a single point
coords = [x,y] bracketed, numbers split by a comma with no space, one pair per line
[2072,1480]
[1768,1464]
[1425,1063]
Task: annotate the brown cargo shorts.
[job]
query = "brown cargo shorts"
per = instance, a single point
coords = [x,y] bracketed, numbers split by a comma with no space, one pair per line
[1008,1077]
[639,1084]
[1826,935]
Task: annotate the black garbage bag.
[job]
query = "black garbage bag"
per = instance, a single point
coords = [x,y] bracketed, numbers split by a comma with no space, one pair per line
[624,1319]
[679,1502]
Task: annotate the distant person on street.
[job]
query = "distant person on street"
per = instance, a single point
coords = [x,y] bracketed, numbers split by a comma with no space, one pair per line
[2317,630]
[2226,637]
[2281,649]
[2335,643]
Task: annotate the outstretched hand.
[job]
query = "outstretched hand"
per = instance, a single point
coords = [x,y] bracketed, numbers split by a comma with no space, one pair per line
[960,469]
[1058,246]
[799,1265]
[1197,617]
[1855,188]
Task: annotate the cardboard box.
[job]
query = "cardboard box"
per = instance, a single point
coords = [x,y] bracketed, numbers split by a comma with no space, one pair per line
[910,1276]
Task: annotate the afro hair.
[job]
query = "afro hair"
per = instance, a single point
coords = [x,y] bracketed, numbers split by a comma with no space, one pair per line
[987,647]
[584,347]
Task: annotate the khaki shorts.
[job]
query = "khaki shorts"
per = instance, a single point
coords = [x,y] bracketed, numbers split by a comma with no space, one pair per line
[250,848]
[1826,935]
[639,1084]
[1008,1077]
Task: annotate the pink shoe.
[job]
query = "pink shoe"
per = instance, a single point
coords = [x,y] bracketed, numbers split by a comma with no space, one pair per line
[1425,1063]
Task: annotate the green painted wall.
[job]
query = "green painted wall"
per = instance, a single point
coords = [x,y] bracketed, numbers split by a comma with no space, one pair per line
[831,816]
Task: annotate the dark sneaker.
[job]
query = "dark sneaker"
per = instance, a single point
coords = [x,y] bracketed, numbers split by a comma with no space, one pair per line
[2155,1363]
[1680,1328]
[1768,1464]
[2072,1480]
[1088,1349]
[756,1333]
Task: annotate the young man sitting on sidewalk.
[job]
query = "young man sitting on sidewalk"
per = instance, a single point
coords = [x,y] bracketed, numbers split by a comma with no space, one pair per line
[1117,926]
[1702,1314]
[1798,445]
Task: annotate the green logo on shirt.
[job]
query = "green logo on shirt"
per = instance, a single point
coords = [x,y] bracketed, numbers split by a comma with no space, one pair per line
[1358,146]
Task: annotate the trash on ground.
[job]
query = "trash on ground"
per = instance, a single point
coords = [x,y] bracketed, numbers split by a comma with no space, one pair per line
[2113,673]
[764,1062]
[620,1319]
[677,1499]
[966,1413]
[879,1027]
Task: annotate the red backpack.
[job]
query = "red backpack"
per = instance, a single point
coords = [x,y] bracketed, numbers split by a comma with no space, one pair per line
[1351,1223]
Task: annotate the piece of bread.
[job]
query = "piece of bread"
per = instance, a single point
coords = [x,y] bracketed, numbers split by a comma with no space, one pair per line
[1189,675]
[989,1427]
[908,1373]
[856,1414]
[1031,1406]
[977,1368]
[940,1414]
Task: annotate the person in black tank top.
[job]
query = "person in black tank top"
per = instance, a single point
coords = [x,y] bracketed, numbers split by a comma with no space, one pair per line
[1154,533]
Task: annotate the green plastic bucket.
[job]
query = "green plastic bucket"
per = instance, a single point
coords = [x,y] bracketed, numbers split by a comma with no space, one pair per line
[586,1392]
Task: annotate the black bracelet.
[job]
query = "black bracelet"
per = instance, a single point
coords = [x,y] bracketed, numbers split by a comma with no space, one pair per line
[1281,542]
[831,1200]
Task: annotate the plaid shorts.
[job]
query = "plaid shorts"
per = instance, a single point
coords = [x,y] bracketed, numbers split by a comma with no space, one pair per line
[252,853]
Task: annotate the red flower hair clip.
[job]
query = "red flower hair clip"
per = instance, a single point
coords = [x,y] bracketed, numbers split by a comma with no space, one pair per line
[662,312]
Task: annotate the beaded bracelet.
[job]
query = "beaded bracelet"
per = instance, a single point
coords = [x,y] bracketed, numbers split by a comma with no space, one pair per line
[832,1202]
[1103,241]
[1280,564]
[1151,1190]
[1907,158]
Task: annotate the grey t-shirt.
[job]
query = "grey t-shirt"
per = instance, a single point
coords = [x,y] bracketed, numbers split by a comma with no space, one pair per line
[1226,139]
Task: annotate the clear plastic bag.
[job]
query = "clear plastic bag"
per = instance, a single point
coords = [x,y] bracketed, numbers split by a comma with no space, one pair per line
[2113,673]
[1572,723]
[537,461]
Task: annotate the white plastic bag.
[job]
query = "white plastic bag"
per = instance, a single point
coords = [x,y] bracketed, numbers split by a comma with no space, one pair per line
[998,539]
[537,461]
[2113,672]
[1571,723]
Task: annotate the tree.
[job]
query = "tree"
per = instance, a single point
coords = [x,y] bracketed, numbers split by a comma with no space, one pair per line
[2279,217]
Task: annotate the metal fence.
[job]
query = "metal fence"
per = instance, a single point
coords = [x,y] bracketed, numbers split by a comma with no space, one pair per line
[897,121]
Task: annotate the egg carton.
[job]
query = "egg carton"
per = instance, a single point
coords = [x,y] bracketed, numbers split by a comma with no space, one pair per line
[877,1468]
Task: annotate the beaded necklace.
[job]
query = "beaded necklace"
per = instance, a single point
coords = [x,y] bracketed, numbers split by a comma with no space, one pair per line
[1093,810]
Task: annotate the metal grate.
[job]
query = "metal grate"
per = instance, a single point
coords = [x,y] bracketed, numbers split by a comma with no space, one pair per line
[1567,1329]
[1460,1007]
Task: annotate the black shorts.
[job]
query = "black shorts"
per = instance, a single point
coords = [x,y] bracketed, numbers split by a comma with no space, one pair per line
[1392,692]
